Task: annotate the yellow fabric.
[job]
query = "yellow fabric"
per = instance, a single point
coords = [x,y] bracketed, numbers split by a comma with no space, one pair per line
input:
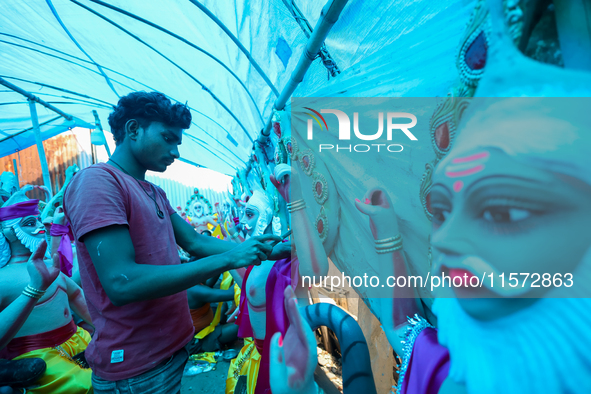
[205,356]
[246,363]
[62,375]
[225,285]
[237,292]
[217,232]
[209,226]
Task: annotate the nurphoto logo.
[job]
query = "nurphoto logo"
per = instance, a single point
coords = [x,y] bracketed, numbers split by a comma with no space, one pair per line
[393,124]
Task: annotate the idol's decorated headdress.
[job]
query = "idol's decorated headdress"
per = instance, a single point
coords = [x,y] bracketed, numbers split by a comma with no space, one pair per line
[263,204]
[561,145]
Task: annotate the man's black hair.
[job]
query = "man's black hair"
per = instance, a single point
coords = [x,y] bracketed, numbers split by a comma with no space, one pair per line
[147,108]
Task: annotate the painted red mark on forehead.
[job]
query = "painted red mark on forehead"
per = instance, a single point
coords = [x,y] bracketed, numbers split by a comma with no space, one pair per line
[470,158]
[458,185]
[470,171]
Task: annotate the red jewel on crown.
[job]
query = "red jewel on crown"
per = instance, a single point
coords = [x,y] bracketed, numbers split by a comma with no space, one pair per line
[475,57]
[319,188]
[428,203]
[255,158]
[442,136]
[320,226]
[289,148]
[277,129]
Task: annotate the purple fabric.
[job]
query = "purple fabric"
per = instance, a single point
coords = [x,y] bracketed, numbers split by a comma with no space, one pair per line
[20,210]
[428,366]
[65,249]
[284,273]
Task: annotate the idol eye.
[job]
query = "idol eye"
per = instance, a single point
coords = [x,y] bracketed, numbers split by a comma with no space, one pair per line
[505,215]
[440,215]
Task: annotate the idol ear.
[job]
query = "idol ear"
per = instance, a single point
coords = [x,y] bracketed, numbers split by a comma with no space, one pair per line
[9,233]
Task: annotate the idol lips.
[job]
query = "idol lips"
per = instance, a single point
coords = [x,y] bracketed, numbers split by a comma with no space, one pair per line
[462,273]
[471,266]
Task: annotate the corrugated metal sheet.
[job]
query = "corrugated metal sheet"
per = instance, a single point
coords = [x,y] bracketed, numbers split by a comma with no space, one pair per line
[62,151]
[178,194]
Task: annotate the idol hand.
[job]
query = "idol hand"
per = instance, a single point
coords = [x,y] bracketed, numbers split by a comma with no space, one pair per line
[59,216]
[282,185]
[293,358]
[382,219]
[42,275]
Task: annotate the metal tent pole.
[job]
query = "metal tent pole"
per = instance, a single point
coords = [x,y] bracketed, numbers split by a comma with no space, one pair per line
[36,130]
[34,98]
[39,142]
[330,14]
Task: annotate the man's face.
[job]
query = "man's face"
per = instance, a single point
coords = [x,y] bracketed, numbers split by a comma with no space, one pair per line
[492,213]
[250,218]
[156,146]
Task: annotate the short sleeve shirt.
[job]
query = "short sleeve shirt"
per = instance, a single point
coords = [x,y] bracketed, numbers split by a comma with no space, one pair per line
[133,338]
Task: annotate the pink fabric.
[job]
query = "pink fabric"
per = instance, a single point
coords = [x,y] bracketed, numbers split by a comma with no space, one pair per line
[65,249]
[428,366]
[284,273]
[147,331]
[20,210]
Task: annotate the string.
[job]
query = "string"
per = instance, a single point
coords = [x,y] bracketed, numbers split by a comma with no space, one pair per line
[158,210]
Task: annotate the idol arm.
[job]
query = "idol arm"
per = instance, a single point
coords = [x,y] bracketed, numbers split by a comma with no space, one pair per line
[77,300]
[15,314]
[405,301]
[310,250]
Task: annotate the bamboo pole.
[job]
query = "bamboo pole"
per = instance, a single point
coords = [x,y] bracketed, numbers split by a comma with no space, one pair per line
[330,14]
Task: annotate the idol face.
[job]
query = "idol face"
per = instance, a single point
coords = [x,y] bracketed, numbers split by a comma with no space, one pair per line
[198,209]
[250,218]
[495,214]
[32,227]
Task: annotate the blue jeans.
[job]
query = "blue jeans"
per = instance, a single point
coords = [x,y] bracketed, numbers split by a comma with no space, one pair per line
[164,378]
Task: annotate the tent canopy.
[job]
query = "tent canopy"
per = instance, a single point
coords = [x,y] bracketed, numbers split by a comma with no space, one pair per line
[226,59]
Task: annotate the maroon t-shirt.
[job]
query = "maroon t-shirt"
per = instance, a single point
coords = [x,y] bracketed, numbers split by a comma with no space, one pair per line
[136,337]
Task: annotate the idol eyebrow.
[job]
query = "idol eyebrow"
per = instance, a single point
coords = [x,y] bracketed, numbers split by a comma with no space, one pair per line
[514,177]
[447,190]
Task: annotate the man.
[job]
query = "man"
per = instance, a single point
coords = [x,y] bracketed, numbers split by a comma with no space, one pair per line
[126,235]
[35,302]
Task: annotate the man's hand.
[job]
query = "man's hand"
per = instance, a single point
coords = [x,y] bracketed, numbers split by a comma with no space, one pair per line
[281,251]
[42,275]
[252,251]
[294,358]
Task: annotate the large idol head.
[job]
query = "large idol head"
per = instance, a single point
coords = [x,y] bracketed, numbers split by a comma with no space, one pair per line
[22,232]
[512,197]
